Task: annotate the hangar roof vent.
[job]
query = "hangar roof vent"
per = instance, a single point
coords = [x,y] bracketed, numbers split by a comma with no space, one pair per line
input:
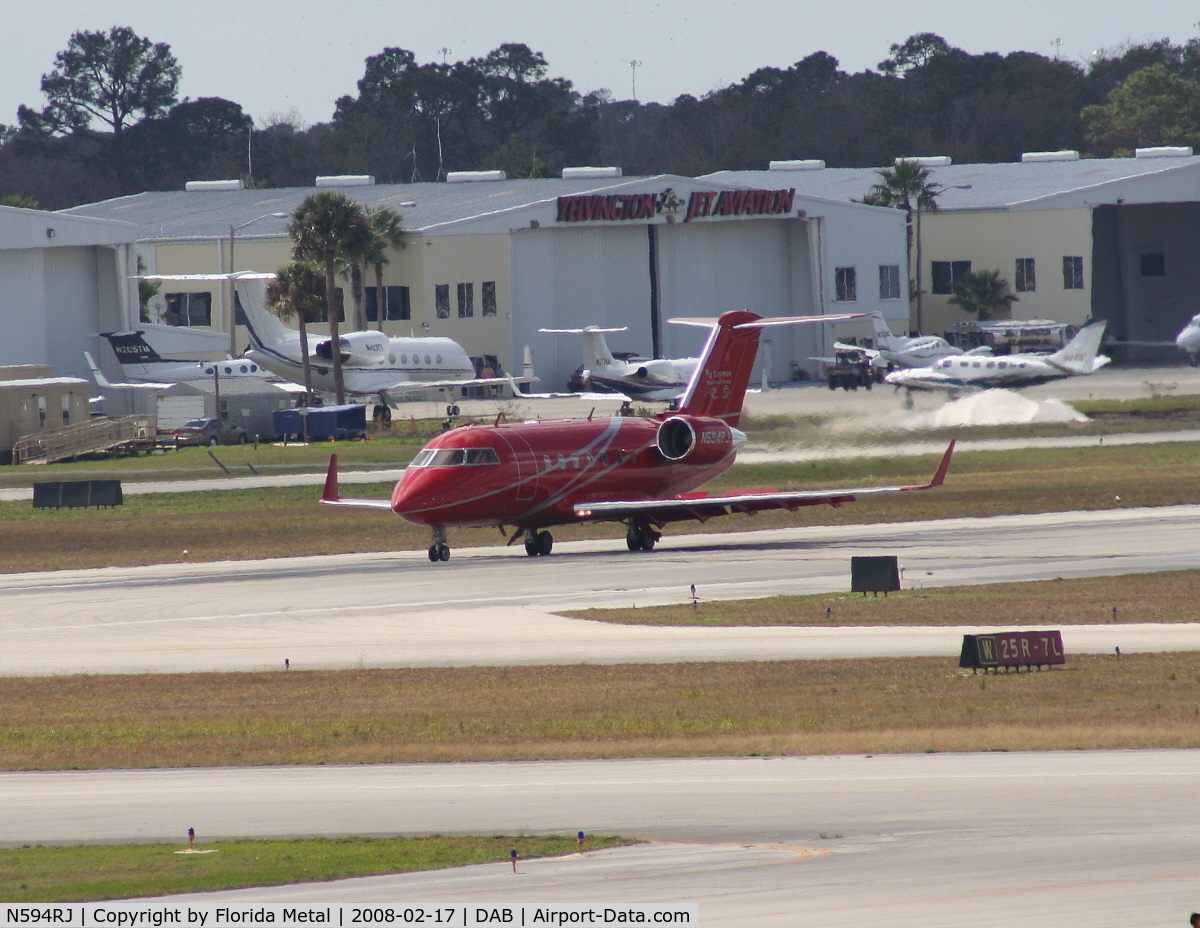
[812,164]
[1164,151]
[929,161]
[195,186]
[1050,156]
[346,180]
[474,177]
[587,172]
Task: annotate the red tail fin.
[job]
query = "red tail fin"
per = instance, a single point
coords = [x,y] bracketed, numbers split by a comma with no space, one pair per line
[719,384]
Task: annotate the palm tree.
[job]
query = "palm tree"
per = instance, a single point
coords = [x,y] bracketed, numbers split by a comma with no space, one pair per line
[298,290]
[907,186]
[324,227]
[984,293]
[387,230]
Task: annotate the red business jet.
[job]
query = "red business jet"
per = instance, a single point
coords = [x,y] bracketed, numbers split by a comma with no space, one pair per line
[641,472]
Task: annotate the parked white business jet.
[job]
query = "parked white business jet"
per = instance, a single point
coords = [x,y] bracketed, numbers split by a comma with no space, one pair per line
[372,363]
[964,372]
[657,380]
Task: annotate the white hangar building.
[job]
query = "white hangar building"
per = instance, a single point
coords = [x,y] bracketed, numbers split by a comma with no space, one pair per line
[1114,238]
[488,261]
[65,278]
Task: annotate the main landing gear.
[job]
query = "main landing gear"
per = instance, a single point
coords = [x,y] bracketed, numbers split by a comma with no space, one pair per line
[439,550]
[538,542]
[641,537]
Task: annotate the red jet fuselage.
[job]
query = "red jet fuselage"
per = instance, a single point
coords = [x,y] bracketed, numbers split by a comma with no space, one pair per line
[532,474]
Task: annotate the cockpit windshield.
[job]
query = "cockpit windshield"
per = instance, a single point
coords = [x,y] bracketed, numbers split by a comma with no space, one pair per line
[454,457]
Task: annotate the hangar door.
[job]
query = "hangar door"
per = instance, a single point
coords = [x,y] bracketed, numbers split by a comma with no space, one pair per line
[570,278]
[705,269]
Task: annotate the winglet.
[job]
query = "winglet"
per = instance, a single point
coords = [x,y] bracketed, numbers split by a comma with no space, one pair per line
[100,379]
[331,494]
[940,477]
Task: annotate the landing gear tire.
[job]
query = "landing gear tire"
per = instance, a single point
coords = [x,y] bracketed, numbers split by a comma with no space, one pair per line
[636,539]
[452,410]
[439,553]
[538,543]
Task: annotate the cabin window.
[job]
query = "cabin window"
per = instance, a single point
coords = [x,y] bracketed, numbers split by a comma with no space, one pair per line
[991,364]
[427,361]
[1003,364]
[488,295]
[438,358]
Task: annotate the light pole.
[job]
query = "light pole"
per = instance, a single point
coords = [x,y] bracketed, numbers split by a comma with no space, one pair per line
[232,267]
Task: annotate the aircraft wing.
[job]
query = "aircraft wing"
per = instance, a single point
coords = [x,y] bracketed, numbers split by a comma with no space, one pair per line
[702,507]
[332,495]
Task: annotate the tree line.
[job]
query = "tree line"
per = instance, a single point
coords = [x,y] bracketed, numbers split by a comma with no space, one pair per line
[112,122]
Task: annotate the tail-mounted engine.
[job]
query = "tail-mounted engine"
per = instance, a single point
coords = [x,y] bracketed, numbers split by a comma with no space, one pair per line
[360,348]
[697,439]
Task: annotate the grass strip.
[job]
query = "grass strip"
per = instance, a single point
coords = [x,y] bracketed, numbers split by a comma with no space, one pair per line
[586,711]
[1166,596]
[79,873]
[282,522]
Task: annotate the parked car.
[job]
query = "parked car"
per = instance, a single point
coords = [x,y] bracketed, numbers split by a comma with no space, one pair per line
[210,432]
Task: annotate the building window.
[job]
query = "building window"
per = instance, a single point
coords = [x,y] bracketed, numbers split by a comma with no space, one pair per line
[66,408]
[340,297]
[397,304]
[889,281]
[847,284]
[488,295]
[1154,265]
[441,300]
[1072,272]
[1026,281]
[188,309]
[948,273]
[466,301]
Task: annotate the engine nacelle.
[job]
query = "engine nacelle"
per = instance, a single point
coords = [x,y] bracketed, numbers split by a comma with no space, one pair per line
[364,349]
[697,439]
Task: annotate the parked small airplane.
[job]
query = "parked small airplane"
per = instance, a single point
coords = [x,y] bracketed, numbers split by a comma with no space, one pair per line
[965,372]
[142,364]
[658,380]
[372,363]
[640,472]
[901,351]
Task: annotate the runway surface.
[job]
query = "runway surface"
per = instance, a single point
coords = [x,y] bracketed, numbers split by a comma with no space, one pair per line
[1105,838]
[495,606]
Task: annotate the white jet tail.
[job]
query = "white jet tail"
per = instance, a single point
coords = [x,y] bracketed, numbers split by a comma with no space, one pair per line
[595,346]
[1080,354]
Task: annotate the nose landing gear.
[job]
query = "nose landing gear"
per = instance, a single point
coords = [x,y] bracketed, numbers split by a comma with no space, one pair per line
[439,550]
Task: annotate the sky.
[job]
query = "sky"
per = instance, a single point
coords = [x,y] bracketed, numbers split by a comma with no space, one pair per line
[297,57]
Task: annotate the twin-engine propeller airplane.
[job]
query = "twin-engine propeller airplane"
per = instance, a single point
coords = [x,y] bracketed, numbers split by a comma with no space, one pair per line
[1077,358]
[641,472]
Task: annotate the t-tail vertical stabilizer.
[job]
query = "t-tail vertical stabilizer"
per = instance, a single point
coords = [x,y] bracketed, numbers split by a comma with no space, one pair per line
[718,385]
[1081,354]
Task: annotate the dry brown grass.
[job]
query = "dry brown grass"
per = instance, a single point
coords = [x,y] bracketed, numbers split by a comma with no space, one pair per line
[465,714]
[1169,596]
